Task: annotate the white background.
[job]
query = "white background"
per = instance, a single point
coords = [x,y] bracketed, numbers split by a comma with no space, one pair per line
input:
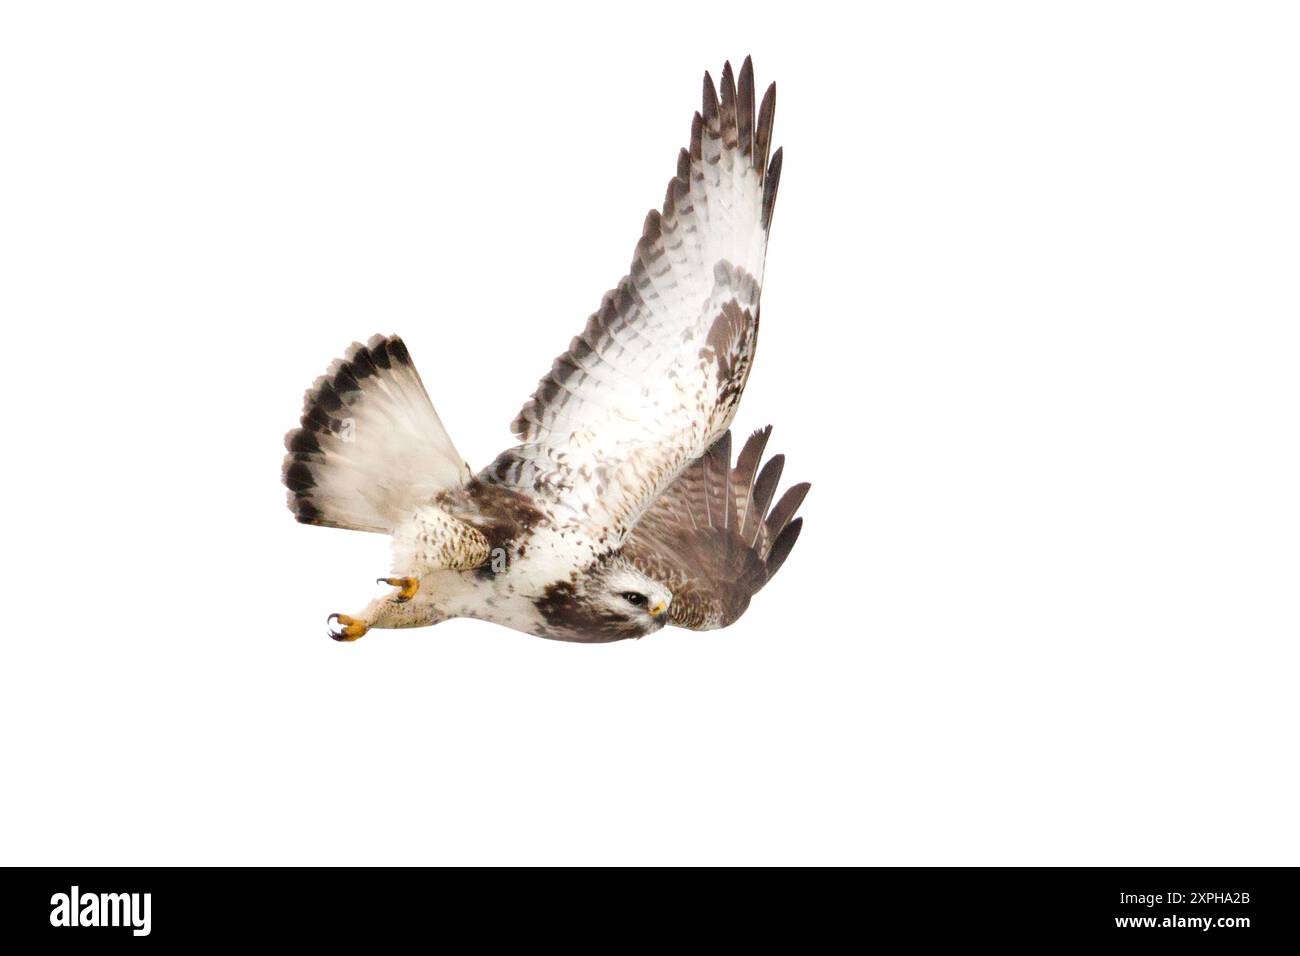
[1030,328]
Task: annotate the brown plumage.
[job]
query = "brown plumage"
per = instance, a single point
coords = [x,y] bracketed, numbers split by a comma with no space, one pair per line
[710,537]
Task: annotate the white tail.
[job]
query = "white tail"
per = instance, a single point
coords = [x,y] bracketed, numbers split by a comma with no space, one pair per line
[371,447]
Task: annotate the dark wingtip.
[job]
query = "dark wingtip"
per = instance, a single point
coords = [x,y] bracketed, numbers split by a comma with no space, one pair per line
[782,546]
[770,182]
[769,476]
[710,110]
[750,454]
[763,128]
[745,108]
[786,507]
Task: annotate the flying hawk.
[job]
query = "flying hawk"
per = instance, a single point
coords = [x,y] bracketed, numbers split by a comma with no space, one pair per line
[620,510]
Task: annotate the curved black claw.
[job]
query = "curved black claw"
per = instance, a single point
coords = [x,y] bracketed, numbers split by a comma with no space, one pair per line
[349,627]
[407,587]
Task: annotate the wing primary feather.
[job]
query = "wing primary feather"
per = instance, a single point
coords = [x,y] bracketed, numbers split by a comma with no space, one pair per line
[764,488]
[745,108]
[733,513]
[727,109]
[718,487]
[742,478]
[770,182]
[785,509]
[710,103]
[763,131]
[697,140]
[722,479]
[716,463]
[781,547]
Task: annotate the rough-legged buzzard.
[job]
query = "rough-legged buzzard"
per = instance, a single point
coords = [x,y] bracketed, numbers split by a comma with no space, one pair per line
[620,510]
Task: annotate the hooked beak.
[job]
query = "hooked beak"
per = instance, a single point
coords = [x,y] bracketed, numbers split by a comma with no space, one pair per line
[659,610]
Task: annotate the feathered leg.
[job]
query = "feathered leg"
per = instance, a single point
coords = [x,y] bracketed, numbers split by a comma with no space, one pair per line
[429,540]
[389,611]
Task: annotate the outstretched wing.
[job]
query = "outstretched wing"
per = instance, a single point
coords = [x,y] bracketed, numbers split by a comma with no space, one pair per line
[710,537]
[656,375]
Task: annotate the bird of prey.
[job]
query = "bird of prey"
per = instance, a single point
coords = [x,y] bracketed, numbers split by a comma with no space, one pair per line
[619,510]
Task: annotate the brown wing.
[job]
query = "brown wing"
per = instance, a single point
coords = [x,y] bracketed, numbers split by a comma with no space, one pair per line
[710,537]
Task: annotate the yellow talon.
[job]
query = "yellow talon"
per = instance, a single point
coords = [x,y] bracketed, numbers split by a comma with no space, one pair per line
[350,628]
[407,587]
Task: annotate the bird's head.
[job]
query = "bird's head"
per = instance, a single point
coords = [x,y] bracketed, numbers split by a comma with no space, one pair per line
[609,601]
[622,592]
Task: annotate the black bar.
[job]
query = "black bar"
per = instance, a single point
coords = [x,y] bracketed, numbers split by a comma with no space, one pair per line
[1223,907]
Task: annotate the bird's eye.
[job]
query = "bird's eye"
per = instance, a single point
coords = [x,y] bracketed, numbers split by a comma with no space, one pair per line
[634,598]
